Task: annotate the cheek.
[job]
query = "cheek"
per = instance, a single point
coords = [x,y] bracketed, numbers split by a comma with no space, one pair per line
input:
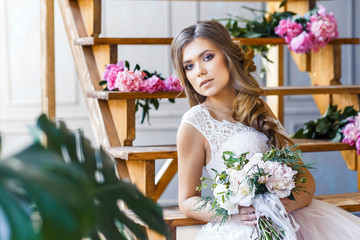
[191,78]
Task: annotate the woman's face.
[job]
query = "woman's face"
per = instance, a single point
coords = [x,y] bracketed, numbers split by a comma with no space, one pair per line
[205,68]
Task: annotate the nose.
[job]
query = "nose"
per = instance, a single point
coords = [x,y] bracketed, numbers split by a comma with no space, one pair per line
[201,70]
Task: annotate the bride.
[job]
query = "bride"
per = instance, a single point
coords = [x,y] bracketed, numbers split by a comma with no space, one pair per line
[227,114]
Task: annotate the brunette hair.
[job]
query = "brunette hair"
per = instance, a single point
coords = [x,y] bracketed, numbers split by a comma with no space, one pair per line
[248,107]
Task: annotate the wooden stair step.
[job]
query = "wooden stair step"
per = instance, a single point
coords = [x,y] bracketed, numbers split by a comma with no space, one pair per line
[309,145]
[132,153]
[284,90]
[307,90]
[85,41]
[107,95]
[347,201]
[174,218]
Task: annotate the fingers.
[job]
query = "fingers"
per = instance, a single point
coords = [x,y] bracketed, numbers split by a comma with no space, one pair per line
[246,210]
[246,216]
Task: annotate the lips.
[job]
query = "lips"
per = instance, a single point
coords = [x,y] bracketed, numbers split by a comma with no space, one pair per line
[204,82]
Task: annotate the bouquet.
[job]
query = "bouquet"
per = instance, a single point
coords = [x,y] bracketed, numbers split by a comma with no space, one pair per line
[119,77]
[310,32]
[351,132]
[260,181]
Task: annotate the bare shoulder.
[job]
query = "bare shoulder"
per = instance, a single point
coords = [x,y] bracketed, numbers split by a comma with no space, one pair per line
[187,135]
[190,143]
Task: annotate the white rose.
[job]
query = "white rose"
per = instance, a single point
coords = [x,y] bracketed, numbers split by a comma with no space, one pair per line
[244,196]
[228,204]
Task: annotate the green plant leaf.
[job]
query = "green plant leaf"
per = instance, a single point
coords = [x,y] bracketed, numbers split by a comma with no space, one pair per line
[137,67]
[102,83]
[127,64]
[323,125]
[282,3]
[299,134]
[74,190]
[337,138]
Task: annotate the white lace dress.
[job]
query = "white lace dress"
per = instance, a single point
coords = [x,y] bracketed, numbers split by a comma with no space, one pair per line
[318,221]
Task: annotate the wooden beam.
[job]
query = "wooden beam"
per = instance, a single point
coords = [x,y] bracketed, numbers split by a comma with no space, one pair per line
[142,173]
[164,176]
[88,73]
[123,117]
[167,41]
[91,15]
[47,61]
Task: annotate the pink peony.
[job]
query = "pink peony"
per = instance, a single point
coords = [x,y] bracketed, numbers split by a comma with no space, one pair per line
[323,31]
[110,73]
[172,83]
[350,133]
[129,81]
[153,84]
[288,29]
[302,43]
[281,181]
[357,145]
[121,65]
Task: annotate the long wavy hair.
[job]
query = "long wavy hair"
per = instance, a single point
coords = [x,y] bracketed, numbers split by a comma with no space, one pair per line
[248,107]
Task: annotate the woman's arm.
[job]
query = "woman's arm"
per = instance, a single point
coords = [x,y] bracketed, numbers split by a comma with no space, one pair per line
[192,148]
[191,158]
[302,198]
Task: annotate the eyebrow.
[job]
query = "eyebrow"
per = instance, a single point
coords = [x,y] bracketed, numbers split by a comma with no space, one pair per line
[201,54]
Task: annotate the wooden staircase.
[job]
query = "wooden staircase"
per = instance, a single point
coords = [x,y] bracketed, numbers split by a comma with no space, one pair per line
[112,114]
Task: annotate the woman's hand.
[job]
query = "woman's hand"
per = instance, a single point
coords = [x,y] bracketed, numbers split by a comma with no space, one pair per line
[288,204]
[246,216]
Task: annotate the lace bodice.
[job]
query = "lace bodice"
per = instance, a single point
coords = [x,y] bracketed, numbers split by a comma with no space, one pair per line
[224,136]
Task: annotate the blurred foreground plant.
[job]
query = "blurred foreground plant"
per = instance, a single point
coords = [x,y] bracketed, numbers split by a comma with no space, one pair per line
[68,190]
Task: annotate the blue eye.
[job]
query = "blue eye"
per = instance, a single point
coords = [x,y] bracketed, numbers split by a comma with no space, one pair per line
[209,57]
[188,67]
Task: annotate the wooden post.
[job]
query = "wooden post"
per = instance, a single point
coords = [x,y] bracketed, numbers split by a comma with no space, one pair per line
[91,14]
[275,78]
[275,71]
[47,57]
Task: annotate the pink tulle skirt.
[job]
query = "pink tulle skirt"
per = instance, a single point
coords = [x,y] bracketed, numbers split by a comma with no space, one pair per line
[321,220]
[318,221]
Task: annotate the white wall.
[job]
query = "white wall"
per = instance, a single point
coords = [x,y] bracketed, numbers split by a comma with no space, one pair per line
[20,72]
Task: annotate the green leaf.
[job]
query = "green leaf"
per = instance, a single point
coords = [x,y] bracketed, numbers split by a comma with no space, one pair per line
[102,83]
[282,3]
[291,197]
[253,34]
[299,134]
[127,64]
[137,67]
[337,137]
[155,103]
[18,220]
[323,125]
[73,188]
[348,111]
